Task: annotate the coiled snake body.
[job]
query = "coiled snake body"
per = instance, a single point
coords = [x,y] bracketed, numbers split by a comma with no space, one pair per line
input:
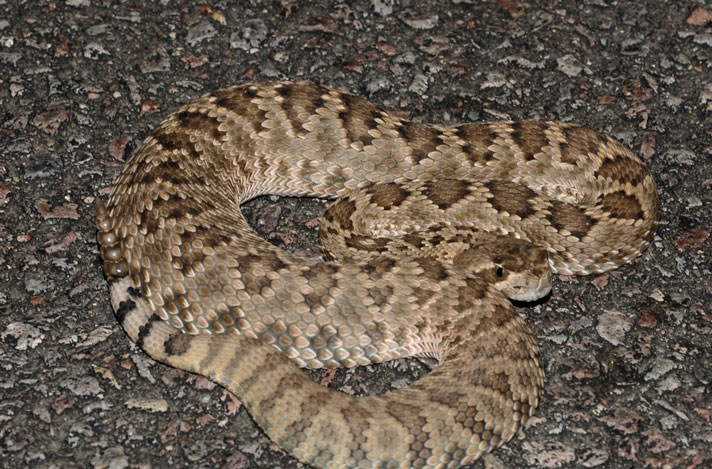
[196,288]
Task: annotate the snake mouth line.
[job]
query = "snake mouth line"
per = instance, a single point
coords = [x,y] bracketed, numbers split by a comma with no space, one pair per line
[528,295]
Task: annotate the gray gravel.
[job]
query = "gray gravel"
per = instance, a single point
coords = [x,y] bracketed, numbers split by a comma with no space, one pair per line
[627,354]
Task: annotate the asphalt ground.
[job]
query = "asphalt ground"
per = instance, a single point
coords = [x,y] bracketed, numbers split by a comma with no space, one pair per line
[626,354]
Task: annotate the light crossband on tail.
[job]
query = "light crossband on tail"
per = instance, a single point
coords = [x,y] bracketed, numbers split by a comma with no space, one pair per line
[478,211]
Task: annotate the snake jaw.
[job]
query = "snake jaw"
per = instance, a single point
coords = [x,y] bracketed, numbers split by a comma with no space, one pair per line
[529,289]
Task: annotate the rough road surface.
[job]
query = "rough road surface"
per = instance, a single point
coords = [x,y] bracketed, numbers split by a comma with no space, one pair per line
[627,354]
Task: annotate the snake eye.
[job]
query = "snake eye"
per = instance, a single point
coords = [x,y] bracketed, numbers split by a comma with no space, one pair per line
[500,272]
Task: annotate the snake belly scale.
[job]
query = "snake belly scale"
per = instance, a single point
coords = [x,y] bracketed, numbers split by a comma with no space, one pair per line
[195,287]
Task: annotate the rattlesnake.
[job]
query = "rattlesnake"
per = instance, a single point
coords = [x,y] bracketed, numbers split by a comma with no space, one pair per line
[196,288]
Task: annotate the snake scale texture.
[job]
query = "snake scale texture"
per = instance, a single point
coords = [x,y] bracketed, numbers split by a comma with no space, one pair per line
[195,287]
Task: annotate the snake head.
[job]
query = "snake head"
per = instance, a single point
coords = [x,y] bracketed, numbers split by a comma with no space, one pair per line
[517,268]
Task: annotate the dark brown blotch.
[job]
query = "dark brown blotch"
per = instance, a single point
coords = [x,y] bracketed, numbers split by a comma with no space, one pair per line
[623,169]
[267,261]
[248,262]
[511,198]
[301,99]
[190,258]
[176,140]
[328,217]
[446,192]
[573,219]
[171,172]
[209,236]
[414,239]
[580,142]
[381,295]
[208,125]
[531,137]
[340,213]
[366,243]
[437,238]
[178,207]
[274,262]
[422,295]
[148,222]
[470,294]
[387,195]
[234,98]
[358,118]
[239,101]
[621,205]
[321,274]
[422,138]
[433,270]
[478,138]
[380,265]
[175,207]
